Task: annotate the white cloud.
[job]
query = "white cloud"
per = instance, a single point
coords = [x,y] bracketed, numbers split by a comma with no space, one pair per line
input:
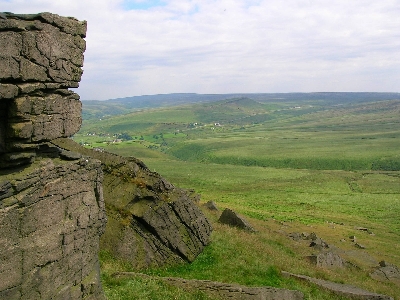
[148,46]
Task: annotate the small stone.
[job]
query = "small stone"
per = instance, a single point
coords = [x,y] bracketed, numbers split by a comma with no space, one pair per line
[211,206]
[230,217]
[362,228]
[359,246]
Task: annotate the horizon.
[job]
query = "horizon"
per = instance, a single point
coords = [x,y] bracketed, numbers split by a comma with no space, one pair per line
[237,94]
[149,47]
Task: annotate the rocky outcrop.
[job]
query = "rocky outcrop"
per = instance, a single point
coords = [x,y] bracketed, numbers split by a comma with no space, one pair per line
[41,57]
[51,217]
[150,221]
[52,210]
[52,191]
[219,290]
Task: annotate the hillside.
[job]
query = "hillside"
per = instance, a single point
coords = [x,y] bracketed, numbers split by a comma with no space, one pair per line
[94,109]
[249,132]
[324,165]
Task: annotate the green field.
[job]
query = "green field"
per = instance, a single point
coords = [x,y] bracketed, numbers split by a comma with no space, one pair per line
[315,165]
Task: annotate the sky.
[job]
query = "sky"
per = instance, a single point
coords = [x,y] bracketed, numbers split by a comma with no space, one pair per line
[147,47]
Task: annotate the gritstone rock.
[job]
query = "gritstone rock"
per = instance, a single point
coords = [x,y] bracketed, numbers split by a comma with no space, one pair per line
[52,210]
[231,218]
[150,221]
[386,272]
[345,290]
[210,205]
[327,260]
[219,290]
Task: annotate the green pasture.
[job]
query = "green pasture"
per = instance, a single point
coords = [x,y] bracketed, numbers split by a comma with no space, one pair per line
[314,168]
[246,132]
[332,203]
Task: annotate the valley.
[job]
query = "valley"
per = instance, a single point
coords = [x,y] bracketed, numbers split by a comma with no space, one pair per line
[328,164]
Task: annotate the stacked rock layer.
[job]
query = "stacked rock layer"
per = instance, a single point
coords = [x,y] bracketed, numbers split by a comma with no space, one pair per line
[51,202]
[41,57]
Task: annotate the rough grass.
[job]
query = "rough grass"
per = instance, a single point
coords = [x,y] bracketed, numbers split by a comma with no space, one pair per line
[280,201]
[314,169]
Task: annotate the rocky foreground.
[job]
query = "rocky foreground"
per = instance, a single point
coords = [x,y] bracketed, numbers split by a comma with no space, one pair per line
[53,201]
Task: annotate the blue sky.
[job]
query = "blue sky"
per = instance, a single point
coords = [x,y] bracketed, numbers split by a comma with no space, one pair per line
[137,47]
[141,4]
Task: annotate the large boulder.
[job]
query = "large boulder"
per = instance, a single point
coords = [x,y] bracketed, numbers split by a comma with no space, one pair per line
[150,221]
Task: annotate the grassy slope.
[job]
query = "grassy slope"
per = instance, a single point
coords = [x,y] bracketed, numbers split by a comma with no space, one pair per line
[309,191]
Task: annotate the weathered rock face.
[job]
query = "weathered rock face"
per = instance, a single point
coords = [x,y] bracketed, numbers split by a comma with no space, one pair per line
[51,202]
[52,211]
[150,221]
[41,57]
[51,217]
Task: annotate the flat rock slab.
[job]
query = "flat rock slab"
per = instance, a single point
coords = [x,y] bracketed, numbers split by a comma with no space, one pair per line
[327,260]
[387,272]
[341,289]
[221,290]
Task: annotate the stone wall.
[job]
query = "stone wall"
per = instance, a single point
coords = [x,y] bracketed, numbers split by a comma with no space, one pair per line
[51,201]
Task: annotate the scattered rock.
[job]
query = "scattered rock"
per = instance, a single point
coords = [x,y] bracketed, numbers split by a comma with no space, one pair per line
[353,238]
[297,236]
[316,242]
[221,290]
[327,260]
[362,228]
[231,218]
[365,230]
[341,289]
[210,205]
[359,246]
[386,272]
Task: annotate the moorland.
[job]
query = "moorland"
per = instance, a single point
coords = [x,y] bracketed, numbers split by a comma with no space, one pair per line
[327,163]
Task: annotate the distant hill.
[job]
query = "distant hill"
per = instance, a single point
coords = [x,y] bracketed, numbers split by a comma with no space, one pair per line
[94,109]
